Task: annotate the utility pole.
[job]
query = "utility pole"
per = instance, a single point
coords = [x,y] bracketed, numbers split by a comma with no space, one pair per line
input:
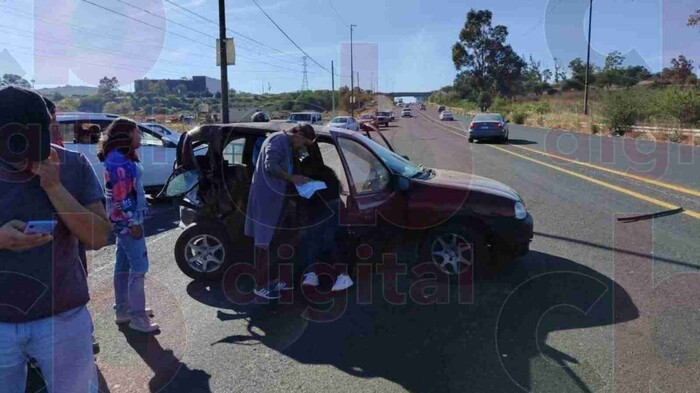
[352,77]
[333,86]
[305,75]
[224,62]
[588,59]
[358,81]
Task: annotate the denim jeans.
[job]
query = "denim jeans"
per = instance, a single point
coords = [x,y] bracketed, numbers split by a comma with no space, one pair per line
[320,239]
[129,274]
[62,347]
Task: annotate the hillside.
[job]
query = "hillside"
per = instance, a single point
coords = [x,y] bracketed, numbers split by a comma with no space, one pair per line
[69,91]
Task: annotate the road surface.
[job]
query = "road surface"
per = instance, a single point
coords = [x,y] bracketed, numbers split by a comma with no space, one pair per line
[596,306]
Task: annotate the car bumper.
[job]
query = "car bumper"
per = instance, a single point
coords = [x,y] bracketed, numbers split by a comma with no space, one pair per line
[512,236]
[477,134]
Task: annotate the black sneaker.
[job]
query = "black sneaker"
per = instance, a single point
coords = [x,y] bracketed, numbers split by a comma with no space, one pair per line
[95,346]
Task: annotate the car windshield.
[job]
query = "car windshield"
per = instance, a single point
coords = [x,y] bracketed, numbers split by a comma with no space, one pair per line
[340,120]
[487,118]
[397,163]
[300,117]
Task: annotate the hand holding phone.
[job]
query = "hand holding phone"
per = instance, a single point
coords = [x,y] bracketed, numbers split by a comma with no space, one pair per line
[40,227]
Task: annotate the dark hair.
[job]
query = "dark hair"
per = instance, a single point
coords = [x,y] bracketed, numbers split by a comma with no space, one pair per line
[50,106]
[305,130]
[118,137]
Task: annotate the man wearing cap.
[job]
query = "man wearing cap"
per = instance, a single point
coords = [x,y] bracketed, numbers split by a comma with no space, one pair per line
[43,285]
[273,174]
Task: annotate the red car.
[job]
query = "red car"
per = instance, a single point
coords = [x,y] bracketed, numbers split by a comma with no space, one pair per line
[452,221]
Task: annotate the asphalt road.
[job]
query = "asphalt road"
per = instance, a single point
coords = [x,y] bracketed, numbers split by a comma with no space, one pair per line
[597,305]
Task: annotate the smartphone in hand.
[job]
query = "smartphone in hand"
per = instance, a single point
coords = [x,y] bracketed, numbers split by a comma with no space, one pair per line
[40,227]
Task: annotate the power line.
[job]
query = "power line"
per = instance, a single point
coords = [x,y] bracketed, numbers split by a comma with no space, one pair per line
[200,16]
[288,37]
[330,2]
[147,24]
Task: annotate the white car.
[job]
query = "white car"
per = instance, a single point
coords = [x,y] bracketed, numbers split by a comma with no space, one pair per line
[347,122]
[81,132]
[406,112]
[164,132]
[445,115]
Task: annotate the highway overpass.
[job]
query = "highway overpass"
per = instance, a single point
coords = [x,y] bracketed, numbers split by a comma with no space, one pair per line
[420,96]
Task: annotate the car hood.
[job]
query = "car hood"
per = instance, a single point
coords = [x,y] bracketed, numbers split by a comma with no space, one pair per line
[462,180]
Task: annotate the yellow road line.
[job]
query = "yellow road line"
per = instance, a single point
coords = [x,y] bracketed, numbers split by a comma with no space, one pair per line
[615,172]
[613,187]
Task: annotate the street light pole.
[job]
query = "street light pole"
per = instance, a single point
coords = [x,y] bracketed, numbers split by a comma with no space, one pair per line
[333,87]
[224,62]
[588,58]
[352,77]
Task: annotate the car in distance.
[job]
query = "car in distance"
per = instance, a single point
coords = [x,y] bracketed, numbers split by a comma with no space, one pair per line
[446,115]
[369,118]
[383,117]
[441,108]
[347,122]
[422,107]
[453,221]
[163,131]
[310,117]
[406,112]
[81,131]
[491,126]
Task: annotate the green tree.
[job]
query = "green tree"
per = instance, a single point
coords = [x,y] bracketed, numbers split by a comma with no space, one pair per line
[12,79]
[694,19]
[94,103]
[181,89]
[559,72]
[578,75]
[108,86]
[159,88]
[483,58]
[680,72]
[70,104]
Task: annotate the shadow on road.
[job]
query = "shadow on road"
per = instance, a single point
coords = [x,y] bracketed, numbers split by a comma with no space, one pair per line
[520,142]
[168,369]
[496,343]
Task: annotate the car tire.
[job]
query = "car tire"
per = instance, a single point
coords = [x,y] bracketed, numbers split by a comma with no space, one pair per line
[444,239]
[471,140]
[212,243]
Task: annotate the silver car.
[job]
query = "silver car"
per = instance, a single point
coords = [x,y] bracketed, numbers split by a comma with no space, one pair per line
[492,126]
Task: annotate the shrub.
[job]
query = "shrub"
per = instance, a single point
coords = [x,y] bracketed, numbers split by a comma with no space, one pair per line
[519,117]
[621,111]
[594,128]
[681,104]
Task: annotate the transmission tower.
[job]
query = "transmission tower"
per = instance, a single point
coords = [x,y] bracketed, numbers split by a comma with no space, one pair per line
[305,75]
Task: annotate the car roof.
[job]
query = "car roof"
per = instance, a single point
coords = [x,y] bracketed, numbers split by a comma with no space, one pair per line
[68,116]
[343,117]
[306,113]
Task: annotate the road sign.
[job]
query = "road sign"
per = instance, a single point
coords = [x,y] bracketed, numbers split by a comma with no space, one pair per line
[230,52]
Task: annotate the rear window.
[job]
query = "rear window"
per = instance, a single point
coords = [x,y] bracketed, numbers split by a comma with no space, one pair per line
[300,117]
[487,118]
[340,120]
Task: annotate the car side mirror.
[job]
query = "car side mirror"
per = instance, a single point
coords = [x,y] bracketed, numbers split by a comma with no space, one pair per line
[168,143]
[401,183]
[181,183]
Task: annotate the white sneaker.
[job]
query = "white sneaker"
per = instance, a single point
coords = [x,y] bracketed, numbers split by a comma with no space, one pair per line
[123,316]
[143,325]
[310,279]
[342,282]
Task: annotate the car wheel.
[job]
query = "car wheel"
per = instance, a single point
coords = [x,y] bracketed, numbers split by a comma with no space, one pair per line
[471,140]
[453,250]
[203,251]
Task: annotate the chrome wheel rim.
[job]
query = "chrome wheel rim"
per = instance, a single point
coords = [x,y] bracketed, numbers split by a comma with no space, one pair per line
[452,253]
[205,253]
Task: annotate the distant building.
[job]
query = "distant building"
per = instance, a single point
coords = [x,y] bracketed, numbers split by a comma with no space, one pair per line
[198,84]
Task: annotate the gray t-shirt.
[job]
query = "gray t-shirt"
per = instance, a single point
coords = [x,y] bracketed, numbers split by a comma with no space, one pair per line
[47,280]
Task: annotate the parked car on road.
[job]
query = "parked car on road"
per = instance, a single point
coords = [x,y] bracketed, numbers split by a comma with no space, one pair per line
[81,132]
[164,132]
[310,117]
[491,126]
[453,221]
[406,112]
[347,122]
[383,117]
[446,115]
[369,118]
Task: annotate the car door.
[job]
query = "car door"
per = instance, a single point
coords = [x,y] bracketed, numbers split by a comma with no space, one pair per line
[157,158]
[370,184]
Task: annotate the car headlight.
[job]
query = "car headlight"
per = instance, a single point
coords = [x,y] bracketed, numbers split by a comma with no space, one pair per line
[520,211]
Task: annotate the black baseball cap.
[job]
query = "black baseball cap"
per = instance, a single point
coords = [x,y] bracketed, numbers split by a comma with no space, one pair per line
[24,126]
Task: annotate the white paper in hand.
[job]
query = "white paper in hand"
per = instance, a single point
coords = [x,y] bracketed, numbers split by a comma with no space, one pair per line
[307,189]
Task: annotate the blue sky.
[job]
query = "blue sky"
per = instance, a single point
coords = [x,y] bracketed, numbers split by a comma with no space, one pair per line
[402,45]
